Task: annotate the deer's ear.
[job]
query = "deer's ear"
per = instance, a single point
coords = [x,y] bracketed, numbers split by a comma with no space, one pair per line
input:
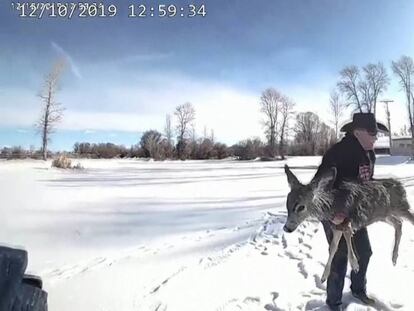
[327,180]
[292,180]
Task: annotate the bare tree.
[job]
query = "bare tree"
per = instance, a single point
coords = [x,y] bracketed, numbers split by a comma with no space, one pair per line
[348,85]
[248,149]
[269,106]
[286,110]
[52,111]
[362,92]
[168,131]
[375,83]
[325,138]
[151,144]
[306,131]
[404,70]
[193,133]
[336,108]
[404,131]
[185,116]
[212,137]
[388,114]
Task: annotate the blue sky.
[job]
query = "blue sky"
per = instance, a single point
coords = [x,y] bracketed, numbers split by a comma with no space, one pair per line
[124,75]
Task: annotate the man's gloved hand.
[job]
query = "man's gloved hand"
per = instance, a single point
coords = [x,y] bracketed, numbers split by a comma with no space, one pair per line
[341,222]
[339,218]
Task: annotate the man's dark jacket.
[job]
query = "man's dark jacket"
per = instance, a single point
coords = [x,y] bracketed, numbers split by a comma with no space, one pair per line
[349,158]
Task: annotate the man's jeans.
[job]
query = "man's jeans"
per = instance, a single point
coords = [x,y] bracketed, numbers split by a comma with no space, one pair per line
[362,248]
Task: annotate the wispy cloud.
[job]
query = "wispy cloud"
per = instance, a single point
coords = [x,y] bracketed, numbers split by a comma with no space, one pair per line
[145,57]
[73,67]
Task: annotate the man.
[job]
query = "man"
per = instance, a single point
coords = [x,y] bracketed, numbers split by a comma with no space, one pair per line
[354,159]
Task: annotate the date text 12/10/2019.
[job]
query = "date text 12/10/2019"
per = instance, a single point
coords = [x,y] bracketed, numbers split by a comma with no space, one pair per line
[70,10]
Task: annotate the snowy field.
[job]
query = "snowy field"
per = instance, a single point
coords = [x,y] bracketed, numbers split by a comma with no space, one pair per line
[127,235]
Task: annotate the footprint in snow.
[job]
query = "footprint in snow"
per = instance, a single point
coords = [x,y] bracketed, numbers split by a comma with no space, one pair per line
[160,307]
[284,242]
[301,232]
[302,270]
[318,282]
[237,304]
[396,305]
[317,292]
[229,305]
[316,305]
[307,246]
[255,300]
[272,306]
[292,256]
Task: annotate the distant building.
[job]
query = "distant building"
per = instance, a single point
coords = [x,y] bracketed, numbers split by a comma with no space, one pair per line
[401,145]
[382,145]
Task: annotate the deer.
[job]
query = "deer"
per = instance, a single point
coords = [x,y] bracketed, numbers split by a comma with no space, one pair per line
[379,200]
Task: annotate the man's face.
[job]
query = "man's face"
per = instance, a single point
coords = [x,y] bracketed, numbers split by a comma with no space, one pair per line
[365,138]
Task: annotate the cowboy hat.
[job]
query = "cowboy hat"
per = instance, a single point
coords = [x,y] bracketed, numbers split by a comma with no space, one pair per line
[365,120]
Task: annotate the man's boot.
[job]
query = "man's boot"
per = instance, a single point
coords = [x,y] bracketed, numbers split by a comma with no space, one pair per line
[335,307]
[362,296]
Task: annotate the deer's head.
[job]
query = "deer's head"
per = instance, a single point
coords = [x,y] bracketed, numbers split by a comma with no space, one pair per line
[302,200]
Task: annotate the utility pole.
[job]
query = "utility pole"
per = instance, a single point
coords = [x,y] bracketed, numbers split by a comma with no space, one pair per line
[387,111]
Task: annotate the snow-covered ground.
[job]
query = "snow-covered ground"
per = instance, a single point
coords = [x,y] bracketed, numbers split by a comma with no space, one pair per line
[127,235]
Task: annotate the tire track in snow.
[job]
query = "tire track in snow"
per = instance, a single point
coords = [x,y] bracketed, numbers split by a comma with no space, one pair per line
[205,262]
[158,286]
[84,266]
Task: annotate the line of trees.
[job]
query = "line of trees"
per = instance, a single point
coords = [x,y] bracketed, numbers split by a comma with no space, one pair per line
[286,131]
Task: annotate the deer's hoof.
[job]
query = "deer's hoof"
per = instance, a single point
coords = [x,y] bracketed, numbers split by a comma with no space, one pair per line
[324,276]
[354,264]
[394,259]
[355,268]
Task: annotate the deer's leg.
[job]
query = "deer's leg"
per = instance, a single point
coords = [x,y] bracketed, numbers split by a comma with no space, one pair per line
[332,250]
[407,214]
[353,260]
[397,224]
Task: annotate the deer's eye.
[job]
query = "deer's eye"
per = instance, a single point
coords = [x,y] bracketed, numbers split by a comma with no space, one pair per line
[300,208]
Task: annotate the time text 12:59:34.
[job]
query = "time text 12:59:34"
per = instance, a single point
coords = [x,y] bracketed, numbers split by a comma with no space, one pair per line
[166,10]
